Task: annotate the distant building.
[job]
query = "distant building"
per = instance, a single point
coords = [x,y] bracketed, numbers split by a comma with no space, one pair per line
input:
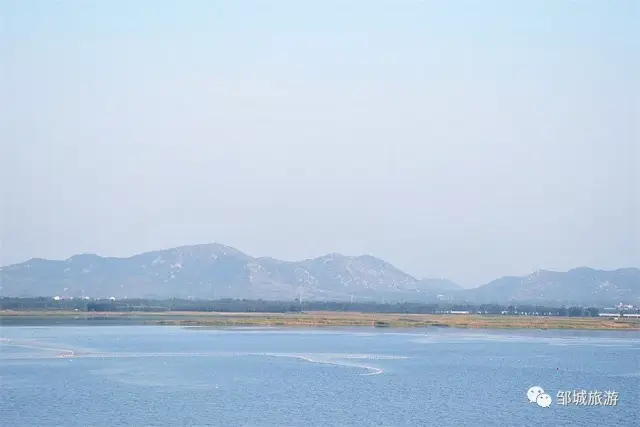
[637,315]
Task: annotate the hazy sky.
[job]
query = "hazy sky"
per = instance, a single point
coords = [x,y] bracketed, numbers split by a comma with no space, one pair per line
[465,139]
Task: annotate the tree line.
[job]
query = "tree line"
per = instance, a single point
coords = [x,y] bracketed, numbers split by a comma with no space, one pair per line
[262,306]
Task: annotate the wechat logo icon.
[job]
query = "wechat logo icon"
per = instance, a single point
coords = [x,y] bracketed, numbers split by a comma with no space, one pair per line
[537,395]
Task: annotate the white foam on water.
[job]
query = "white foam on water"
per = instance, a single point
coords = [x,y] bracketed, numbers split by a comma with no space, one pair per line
[33,345]
[589,341]
[337,359]
[628,375]
[372,370]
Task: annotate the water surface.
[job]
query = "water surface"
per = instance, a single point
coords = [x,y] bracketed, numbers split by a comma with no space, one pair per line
[172,376]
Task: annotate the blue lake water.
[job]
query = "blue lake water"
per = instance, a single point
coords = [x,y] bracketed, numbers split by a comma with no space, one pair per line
[172,376]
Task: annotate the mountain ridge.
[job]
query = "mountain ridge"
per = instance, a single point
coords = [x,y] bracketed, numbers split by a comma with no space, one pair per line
[214,270]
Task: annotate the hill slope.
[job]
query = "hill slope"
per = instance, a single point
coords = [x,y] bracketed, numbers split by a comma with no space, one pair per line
[580,286]
[216,271]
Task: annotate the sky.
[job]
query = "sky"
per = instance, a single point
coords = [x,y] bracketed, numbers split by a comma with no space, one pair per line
[466,140]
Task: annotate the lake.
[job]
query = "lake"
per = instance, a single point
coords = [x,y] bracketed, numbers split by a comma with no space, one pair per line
[173,376]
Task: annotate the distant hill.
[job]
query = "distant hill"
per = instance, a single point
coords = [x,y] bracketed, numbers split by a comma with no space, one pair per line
[580,286]
[441,285]
[214,271]
[218,271]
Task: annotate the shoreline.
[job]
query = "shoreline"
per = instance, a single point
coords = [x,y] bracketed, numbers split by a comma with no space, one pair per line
[313,319]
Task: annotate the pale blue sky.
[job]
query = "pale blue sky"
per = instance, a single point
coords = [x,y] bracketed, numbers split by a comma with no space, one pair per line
[465,139]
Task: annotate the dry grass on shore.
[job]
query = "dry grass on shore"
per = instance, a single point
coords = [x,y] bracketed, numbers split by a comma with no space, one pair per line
[345,319]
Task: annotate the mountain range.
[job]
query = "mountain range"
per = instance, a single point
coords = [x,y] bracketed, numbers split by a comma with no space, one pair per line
[213,271]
